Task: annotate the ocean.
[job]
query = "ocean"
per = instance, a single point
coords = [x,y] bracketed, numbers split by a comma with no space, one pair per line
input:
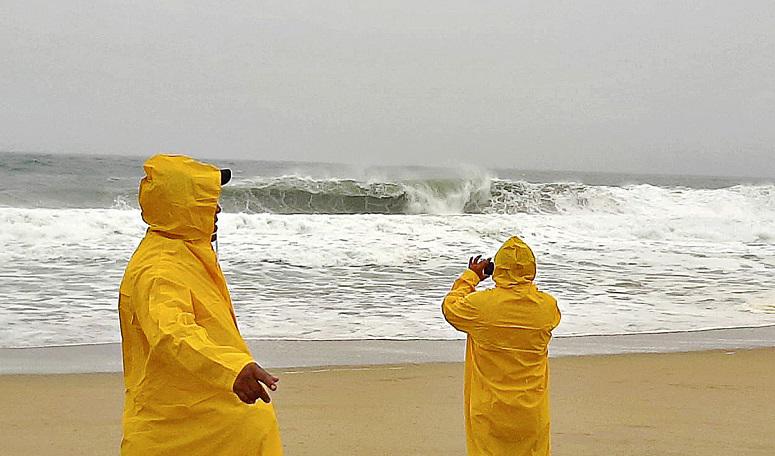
[336,252]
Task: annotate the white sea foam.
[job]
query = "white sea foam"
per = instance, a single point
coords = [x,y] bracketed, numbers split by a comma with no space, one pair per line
[453,199]
[481,193]
[632,259]
[763,302]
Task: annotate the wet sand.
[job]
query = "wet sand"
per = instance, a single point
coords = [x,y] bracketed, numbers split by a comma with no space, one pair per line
[701,403]
[78,359]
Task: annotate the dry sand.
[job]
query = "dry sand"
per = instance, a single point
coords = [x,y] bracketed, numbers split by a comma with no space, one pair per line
[705,403]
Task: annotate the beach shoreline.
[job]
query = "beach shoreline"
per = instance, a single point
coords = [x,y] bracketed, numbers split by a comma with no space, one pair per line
[315,353]
[704,402]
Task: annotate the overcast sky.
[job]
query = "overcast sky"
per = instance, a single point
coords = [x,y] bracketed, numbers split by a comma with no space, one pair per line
[655,87]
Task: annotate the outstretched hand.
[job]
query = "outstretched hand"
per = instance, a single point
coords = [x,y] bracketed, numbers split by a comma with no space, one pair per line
[477,264]
[247,385]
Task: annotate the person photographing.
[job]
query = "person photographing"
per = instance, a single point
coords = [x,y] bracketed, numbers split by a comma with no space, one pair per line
[506,369]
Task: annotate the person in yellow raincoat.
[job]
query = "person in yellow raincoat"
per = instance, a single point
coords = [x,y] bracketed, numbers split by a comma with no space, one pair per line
[191,384]
[506,371]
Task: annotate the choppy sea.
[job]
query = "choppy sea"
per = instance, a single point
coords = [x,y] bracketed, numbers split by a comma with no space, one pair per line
[331,252]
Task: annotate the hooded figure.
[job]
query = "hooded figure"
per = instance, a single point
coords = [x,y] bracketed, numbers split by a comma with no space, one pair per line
[181,347]
[506,371]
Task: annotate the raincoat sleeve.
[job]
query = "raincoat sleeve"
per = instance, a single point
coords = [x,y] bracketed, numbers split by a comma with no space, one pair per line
[171,329]
[557,314]
[457,307]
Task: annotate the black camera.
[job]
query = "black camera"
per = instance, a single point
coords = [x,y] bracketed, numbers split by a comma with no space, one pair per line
[488,270]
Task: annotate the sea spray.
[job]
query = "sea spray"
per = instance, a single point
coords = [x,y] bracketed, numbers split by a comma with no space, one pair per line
[318,254]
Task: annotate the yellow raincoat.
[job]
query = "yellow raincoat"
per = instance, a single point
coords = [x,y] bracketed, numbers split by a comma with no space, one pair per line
[506,372]
[181,346]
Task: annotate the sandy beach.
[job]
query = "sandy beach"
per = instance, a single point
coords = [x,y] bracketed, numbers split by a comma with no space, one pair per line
[701,403]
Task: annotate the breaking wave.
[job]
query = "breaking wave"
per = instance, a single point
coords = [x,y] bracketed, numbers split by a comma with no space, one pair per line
[484,195]
[299,195]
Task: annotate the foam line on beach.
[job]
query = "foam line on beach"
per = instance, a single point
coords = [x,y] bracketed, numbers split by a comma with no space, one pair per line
[278,354]
[417,339]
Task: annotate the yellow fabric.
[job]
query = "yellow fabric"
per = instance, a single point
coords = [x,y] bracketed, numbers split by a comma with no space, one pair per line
[181,346]
[506,372]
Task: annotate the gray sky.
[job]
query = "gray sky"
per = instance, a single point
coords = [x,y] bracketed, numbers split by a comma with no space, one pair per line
[656,87]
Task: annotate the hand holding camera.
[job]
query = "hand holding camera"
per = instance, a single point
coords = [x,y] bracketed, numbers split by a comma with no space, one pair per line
[482,267]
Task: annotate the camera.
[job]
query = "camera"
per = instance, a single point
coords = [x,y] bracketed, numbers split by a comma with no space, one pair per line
[488,270]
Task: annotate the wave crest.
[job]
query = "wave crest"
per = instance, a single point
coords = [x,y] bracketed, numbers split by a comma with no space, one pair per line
[481,195]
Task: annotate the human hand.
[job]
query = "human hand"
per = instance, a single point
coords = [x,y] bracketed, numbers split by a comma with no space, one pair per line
[247,385]
[477,265]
